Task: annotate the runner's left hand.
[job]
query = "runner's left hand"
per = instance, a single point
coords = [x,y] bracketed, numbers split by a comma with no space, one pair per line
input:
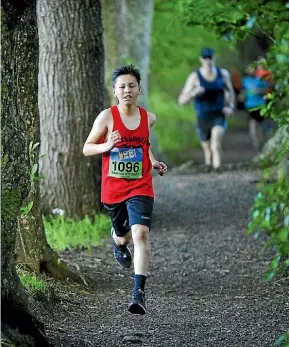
[228,111]
[160,167]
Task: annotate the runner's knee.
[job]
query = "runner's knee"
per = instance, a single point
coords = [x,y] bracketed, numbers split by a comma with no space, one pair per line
[206,146]
[217,136]
[216,145]
[140,233]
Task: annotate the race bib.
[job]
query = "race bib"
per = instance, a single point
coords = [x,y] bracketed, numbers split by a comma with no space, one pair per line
[126,163]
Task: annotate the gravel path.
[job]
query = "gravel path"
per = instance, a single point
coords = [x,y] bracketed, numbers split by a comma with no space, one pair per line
[205,286]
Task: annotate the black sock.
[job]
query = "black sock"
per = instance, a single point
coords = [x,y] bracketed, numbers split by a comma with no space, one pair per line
[139,282]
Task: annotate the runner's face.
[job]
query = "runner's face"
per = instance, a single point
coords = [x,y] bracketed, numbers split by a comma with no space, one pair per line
[126,89]
[207,61]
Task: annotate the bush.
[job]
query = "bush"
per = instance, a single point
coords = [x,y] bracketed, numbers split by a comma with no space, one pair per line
[270,213]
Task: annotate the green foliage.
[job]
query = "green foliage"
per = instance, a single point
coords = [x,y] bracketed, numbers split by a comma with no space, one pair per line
[273,203]
[237,18]
[175,54]
[283,340]
[65,233]
[24,211]
[270,214]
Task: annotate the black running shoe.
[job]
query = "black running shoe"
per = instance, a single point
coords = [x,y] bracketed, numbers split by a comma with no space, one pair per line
[122,254]
[137,305]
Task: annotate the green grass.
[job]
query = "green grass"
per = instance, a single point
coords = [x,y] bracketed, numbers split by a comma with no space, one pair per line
[32,283]
[175,126]
[65,233]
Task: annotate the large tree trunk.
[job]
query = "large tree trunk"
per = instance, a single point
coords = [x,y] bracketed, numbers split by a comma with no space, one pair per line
[32,248]
[18,326]
[127,37]
[71,95]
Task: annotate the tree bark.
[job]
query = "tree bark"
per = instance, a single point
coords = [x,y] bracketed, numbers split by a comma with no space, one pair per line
[127,38]
[271,149]
[32,248]
[253,47]
[18,325]
[71,95]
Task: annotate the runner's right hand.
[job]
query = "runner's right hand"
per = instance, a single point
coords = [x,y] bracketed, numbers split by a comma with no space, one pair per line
[112,140]
[199,91]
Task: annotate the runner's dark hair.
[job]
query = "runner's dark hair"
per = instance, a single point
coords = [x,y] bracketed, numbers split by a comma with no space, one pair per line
[126,70]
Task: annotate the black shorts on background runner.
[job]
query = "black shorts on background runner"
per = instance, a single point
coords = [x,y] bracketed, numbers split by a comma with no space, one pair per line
[256,115]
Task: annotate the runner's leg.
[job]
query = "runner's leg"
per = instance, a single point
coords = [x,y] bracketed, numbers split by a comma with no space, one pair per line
[140,213]
[206,145]
[204,133]
[216,145]
[120,233]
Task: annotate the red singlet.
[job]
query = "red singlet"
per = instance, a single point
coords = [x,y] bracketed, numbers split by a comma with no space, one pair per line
[129,157]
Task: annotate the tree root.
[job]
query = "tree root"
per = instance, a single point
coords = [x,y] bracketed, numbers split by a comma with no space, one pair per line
[59,269]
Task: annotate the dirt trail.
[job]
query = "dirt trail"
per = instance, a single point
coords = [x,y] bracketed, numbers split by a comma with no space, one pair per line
[206,284]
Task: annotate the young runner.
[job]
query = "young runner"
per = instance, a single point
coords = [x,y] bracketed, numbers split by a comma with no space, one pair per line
[121,135]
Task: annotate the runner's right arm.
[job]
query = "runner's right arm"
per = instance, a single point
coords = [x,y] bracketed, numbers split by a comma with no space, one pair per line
[99,129]
[191,89]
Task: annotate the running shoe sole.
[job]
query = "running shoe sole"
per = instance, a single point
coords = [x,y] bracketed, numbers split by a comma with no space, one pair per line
[136,309]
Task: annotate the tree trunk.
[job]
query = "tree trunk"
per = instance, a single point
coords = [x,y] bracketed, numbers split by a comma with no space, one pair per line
[32,248]
[18,326]
[253,47]
[127,37]
[271,149]
[71,95]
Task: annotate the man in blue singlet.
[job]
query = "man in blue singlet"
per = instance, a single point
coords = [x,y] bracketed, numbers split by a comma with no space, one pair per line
[207,87]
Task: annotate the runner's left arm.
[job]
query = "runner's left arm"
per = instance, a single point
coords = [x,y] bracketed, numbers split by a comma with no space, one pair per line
[229,88]
[159,166]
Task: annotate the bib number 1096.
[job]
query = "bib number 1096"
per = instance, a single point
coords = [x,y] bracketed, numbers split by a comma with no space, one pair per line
[120,166]
[126,163]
